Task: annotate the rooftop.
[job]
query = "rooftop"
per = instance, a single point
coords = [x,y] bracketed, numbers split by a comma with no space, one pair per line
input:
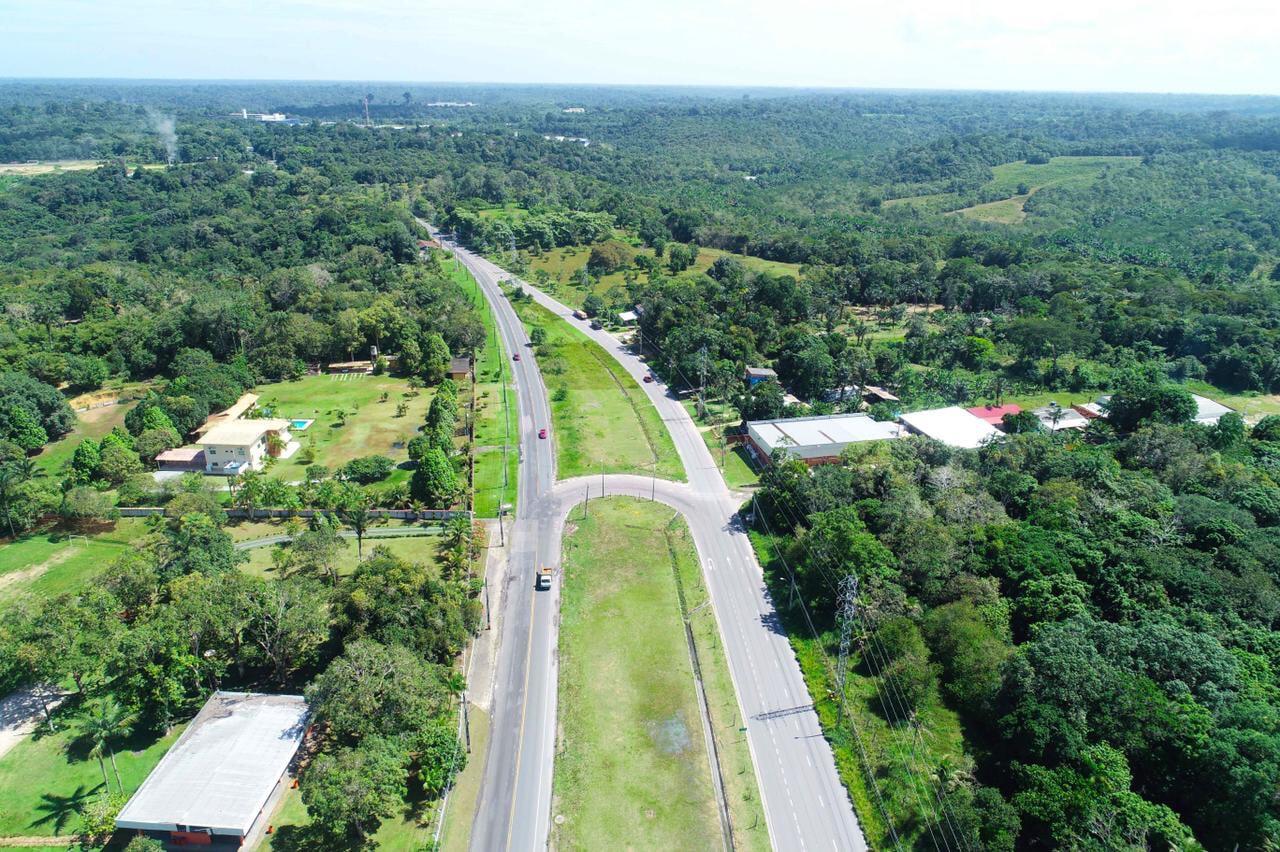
[221,771]
[180,454]
[1208,410]
[952,426]
[241,433]
[243,404]
[819,431]
[993,414]
[761,372]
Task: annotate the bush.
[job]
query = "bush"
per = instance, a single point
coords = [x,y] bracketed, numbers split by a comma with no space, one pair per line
[367,469]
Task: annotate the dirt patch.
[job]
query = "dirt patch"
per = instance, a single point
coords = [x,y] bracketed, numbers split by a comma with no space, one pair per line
[34,571]
[672,735]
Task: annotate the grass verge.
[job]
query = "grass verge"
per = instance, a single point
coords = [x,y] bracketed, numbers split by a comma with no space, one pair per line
[632,769]
[455,836]
[602,418]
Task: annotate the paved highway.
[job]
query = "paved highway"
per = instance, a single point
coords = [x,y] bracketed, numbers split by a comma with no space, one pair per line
[805,804]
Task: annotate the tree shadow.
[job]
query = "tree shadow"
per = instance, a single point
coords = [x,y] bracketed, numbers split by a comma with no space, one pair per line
[310,838]
[58,810]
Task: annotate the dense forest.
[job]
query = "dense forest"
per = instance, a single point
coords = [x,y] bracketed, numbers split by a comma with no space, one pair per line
[1096,611]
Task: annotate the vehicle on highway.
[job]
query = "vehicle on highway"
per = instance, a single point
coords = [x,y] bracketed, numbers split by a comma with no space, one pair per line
[544,578]
[582,315]
[648,379]
[515,357]
[596,325]
[542,433]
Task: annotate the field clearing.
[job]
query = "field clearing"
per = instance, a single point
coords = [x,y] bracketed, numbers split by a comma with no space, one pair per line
[416,548]
[47,776]
[1007,179]
[602,419]
[631,766]
[563,265]
[371,426]
[93,423]
[51,166]
[51,563]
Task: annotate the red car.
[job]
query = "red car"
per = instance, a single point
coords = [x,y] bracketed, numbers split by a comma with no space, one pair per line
[648,379]
[515,357]
[542,433]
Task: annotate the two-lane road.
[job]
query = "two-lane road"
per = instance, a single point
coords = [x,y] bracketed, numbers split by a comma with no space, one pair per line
[805,804]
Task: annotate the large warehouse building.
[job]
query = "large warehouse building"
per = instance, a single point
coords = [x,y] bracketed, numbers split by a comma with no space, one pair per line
[815,440]
[214,788]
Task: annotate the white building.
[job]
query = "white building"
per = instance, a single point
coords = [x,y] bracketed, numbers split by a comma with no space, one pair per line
[1208,411]
[234,446]
[815,440]
[953,426]
[214,788]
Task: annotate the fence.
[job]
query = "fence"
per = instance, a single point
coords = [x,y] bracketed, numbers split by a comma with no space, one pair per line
[400,514]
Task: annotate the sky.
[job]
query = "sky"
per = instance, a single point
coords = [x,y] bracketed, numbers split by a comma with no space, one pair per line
[1224,46]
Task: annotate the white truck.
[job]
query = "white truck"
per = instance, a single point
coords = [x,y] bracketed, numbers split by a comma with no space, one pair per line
[543,580]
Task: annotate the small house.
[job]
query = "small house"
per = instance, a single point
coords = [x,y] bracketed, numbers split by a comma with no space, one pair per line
[459,367]
[755,375]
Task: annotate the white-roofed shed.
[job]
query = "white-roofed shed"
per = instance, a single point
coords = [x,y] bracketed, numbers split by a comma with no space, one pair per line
[953,426]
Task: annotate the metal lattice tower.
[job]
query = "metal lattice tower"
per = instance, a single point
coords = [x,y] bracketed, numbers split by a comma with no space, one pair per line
[846,612]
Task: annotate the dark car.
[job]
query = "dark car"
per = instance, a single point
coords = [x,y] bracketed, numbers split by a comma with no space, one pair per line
[542,433]
[515,357]
[648,378]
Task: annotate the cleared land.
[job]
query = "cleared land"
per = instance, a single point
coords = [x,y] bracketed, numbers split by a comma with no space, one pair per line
[50,166]
[602,419]
[564,266]
[1008,179]
[632,766]
[93,423]
[417,548]
[370,426]
[49,563]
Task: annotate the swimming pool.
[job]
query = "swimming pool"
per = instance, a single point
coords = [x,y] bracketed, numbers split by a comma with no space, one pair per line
[301,425]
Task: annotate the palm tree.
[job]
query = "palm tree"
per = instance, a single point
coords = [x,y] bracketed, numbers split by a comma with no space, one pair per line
[457,531]
[456,683]
[107,720]
[356,514]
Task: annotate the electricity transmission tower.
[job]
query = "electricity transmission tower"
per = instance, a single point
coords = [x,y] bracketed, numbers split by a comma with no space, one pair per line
[846,612]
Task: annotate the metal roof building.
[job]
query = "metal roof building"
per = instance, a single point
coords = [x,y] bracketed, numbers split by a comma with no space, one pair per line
[215,782]
[815,440]
[953,426]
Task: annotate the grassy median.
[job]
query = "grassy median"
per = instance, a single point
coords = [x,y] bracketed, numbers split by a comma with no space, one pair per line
[602,418]
[632,763]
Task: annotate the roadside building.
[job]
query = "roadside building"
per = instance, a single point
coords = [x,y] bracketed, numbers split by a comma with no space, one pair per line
[872,394]
[459,367]
[217,785]
[953,426]
[628,317]
[815,440]
[993,414]
[232,448]
[755,375]
[242,406]
[181,459]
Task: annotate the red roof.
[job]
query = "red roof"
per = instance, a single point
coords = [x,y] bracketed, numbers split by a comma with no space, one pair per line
[993,414]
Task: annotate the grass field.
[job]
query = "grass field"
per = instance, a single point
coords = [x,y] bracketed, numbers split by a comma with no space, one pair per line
[894,761]
[93,423]
[47,776]
[632,766]
[371,426]
[1006,181]
[601,417]
[496,415]
[418,548]
[52,562]
[455,835]
[563,265]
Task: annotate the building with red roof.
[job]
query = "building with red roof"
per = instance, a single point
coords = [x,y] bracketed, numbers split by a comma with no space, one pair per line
[993,414]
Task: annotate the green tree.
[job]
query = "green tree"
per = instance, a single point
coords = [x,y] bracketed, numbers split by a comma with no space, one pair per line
[105,722]
[434,481]
[375,690]
[350,791]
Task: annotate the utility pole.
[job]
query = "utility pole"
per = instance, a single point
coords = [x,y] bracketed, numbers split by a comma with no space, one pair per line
[653,483]
[846,612]
[466,720]
[702,381]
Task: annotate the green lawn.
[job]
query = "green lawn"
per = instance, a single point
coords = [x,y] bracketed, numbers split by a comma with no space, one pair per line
[894,761]
[50,563]
[47,776]
[601,417]
[418,548]
[371,426]
[89,424]
[631,768]
[496,416]
[735,463]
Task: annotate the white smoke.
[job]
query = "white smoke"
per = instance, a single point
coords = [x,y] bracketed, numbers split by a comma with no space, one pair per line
[166,126]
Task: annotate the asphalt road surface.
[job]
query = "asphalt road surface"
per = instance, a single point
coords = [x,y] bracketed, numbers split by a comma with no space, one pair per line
[806,806]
